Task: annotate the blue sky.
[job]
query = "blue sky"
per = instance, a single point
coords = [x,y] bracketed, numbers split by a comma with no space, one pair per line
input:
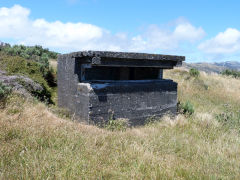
[202,30]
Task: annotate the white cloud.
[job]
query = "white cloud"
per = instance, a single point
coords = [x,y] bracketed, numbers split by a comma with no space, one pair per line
[164,39]
[14,22]
[226,42]
[186,31]
[17,25]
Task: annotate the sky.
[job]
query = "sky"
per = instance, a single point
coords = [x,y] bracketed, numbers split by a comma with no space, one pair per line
[201,30]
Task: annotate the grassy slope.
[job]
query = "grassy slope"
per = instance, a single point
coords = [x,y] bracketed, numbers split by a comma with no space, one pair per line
[35,143]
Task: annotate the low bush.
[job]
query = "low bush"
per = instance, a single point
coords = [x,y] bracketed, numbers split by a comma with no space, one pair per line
[186,108]
[233,73]
[194,72]
[4,93]
[4,90]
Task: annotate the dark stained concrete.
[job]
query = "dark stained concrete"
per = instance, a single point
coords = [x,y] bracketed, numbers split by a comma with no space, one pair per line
[97,85]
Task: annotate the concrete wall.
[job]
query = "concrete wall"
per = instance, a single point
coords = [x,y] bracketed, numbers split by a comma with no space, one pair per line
[68,74]
[94,102]
[135,101]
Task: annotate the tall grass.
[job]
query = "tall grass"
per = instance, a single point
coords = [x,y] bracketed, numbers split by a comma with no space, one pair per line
[37,144]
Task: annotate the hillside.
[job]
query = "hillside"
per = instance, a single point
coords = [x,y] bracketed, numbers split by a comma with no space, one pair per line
[42,142]
[234,65]
[214,67]
[27,71]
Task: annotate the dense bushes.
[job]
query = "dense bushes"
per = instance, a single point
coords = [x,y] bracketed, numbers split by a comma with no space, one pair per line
[32,61]
[18,65]
[233,73]
[35,53]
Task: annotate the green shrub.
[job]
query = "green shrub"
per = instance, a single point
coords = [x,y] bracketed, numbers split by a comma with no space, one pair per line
[44,60]
[35,53]
[4,90]
[186,108]
[4,93]
[233,73]
[17,65]
[194,72]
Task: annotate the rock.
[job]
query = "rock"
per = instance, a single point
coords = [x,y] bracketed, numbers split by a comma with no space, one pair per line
[20,84]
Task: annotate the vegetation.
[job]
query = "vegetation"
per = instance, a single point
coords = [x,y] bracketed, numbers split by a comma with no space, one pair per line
[4,93]
[37,144]
[186,108]
[233,73]
[18,65]
[194,72]
[33,62]
[117,125]
[35,53]
[230,118]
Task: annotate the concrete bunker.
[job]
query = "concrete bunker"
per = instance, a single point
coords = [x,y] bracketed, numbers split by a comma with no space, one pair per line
[96,85]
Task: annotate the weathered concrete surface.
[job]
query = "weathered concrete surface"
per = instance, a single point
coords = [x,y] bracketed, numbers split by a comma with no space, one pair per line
[136,101]
[126,59]
[95,85]
[125,55]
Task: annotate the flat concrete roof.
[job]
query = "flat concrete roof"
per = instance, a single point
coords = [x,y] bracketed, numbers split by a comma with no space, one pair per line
[126,59]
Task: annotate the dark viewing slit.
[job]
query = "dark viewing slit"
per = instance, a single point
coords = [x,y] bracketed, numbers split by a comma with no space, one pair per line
[121,73]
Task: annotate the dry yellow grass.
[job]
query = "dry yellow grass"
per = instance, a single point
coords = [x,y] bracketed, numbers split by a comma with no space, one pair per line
[53,64]
[37,144]
[208,92]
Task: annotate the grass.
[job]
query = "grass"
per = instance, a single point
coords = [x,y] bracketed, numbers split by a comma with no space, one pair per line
[53,64]
[37,144]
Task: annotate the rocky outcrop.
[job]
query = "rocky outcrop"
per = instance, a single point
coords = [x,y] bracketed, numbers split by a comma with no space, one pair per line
[20,84]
